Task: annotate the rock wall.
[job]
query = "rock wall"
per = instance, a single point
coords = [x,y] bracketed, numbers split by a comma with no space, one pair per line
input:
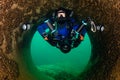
[15,59]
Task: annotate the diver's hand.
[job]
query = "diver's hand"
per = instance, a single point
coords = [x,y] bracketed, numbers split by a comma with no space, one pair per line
[81,37]
[45,36]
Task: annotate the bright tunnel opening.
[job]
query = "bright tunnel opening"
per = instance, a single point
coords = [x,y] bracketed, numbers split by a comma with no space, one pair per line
[51,61]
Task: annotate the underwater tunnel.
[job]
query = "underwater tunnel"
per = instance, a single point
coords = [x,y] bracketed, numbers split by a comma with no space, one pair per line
[17,59]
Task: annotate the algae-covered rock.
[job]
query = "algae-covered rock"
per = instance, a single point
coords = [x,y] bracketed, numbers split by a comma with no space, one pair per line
[56,72]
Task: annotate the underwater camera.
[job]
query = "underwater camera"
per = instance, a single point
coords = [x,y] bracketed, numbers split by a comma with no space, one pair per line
[64,46]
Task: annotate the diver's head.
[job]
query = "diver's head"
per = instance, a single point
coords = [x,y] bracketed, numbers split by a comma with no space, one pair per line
[61,15]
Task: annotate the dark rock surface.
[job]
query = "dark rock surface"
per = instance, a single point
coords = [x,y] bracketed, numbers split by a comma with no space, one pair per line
[15,59]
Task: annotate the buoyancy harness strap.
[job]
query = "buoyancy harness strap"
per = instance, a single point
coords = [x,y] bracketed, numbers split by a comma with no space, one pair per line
[49,25]
[80,28]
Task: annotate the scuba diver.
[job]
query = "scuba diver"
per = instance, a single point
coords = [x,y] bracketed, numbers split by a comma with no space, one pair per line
[63,31]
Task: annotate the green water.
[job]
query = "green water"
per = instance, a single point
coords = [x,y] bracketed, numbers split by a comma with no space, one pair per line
[49,58]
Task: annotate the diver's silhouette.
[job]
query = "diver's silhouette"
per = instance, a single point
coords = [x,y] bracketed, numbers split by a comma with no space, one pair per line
[62,30]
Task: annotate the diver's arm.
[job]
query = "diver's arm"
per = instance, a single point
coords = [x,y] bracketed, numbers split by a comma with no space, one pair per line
[79,31]
[42,29]
[85,24]
[82,33]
